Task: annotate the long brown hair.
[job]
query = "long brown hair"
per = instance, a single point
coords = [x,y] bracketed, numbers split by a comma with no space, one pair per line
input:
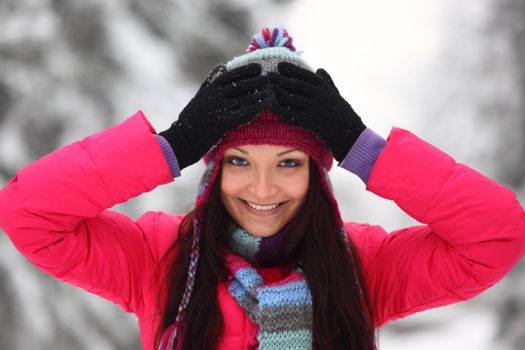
[342,314]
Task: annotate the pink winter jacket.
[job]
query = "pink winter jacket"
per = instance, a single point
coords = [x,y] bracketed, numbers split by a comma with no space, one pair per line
[56,213]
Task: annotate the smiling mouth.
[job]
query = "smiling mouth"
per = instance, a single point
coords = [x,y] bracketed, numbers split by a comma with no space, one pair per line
[262,208]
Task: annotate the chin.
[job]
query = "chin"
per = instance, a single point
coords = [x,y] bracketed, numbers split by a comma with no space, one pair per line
[259,231]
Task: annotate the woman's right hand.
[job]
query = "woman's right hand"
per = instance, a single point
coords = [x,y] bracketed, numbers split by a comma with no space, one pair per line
[226,100]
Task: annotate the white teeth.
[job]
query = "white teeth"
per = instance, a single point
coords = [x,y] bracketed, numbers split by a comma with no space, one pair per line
[262,207]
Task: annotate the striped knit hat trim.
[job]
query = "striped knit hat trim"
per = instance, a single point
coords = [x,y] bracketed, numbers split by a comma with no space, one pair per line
[268,59]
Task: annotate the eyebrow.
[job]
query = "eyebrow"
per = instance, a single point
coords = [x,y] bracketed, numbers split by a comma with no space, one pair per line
[278,154]
[288,151]
[240,150]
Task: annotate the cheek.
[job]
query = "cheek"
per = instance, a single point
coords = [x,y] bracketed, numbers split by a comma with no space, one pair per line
[230,189]
[297,186]
[230,184]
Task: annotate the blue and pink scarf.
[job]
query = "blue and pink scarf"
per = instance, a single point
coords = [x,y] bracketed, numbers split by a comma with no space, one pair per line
[282,310]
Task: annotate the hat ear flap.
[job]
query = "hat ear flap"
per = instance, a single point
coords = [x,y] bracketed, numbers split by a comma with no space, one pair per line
[326,185]
[207,180]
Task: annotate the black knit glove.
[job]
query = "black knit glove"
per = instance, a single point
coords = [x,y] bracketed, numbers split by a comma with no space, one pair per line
[226,100]
[311,101]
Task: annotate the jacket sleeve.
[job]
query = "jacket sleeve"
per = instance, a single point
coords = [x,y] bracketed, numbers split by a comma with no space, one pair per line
[55,210]
[473,230]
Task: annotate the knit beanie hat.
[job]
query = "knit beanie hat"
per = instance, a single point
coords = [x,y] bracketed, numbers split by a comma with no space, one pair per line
[268,48]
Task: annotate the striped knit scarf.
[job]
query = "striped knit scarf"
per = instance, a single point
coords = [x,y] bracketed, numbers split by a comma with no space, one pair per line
[282,310]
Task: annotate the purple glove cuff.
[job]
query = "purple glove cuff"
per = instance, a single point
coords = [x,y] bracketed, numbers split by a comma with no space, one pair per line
[362,156]
[169,155]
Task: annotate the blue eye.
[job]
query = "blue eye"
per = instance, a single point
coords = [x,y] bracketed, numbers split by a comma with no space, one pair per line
[237,161]
[289,163]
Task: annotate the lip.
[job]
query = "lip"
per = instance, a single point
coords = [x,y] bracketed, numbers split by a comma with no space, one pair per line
[262,212]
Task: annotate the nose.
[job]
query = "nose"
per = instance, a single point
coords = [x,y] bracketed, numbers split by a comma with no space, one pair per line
[262,185]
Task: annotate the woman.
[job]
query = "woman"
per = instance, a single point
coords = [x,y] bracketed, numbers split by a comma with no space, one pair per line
[264,260]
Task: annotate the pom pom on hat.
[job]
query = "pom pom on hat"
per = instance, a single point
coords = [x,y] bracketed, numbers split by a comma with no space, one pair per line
[278,37]
[269,47]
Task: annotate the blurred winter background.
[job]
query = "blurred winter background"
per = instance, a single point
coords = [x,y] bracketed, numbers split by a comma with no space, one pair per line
[450,71]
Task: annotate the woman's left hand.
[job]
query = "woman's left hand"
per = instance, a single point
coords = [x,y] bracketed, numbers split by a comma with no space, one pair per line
[311,101]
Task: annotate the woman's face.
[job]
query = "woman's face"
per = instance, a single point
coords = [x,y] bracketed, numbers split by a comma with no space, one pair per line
[263,186]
